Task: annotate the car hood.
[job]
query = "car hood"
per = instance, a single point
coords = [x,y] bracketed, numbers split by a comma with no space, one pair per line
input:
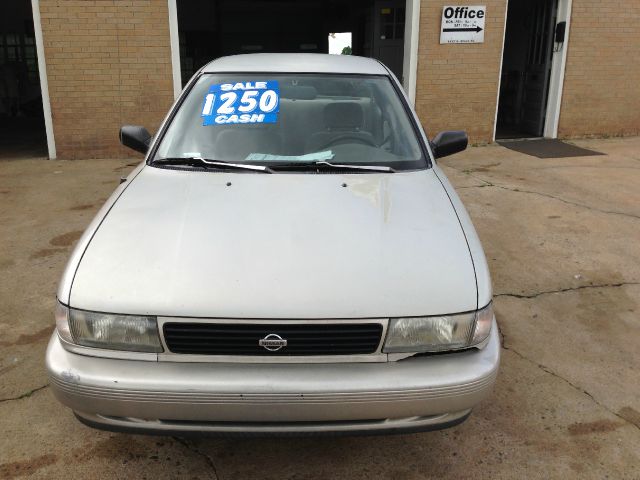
[235,245]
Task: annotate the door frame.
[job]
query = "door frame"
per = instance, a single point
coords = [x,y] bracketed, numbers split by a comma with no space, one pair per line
[556,80]
[411,40]
[174,39]
[409,62]
[44,82]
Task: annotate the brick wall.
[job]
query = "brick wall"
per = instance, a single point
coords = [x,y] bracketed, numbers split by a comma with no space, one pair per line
[108,63]
[458,84]
[601,91]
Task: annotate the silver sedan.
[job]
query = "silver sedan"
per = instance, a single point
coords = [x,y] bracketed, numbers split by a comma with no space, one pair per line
[289,258]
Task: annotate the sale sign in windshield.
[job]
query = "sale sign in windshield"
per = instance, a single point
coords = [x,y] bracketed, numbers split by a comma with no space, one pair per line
[241,102]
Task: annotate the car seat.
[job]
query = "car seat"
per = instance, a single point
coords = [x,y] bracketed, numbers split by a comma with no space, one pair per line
[343,123]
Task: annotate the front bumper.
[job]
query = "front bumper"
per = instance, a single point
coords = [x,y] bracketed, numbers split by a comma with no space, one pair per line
[419,393]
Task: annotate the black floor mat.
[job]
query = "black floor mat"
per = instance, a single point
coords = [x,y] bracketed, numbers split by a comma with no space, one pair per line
[547,148]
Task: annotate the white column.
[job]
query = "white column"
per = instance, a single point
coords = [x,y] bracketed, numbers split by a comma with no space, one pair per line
[175,48]
[44,83]
[556,82]
[504,34]
[411,40]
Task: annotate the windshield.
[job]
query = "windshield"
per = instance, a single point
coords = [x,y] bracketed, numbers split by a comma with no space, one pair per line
[270,119]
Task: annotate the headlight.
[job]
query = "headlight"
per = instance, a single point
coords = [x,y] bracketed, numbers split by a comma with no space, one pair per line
[111,331]
[433,334]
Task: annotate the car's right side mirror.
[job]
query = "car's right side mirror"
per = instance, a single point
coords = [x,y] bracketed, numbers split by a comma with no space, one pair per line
[135,137]
[449,142]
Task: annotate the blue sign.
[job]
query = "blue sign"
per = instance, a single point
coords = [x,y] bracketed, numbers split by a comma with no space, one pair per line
[241,102]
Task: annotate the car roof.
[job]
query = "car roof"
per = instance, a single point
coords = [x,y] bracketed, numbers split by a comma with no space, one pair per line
[296,63]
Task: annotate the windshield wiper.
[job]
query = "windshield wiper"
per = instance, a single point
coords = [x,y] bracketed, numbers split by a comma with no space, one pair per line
[206,162]
[323,164]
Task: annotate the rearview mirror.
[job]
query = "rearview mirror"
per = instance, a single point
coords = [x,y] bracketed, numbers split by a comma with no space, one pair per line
[448,143]
[135,137]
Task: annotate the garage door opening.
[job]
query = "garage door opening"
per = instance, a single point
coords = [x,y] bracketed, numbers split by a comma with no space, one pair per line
[340,43]
[209,29]
[526,68]
[22,127]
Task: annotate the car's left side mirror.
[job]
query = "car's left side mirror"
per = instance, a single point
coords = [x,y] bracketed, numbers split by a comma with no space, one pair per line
[135,137]
[448,143]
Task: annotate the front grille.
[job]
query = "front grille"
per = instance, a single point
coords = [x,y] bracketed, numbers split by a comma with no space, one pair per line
[243,338]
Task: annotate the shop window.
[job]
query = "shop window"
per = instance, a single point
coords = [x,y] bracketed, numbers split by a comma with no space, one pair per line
[20,47]
[392,23]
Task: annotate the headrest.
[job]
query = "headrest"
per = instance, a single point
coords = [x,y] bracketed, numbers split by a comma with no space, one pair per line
[343,115]
[302,92]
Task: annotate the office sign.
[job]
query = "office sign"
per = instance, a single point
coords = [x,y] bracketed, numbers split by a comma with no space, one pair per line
[463,24]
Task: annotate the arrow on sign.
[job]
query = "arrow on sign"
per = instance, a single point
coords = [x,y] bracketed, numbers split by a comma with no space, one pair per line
[474,29]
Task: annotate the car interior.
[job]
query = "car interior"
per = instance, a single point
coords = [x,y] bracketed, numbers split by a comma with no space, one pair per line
[350,119]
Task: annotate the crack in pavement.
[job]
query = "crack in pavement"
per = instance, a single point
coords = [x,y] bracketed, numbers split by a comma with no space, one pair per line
[474,186]
[470,174]
[568,202]
[562,290]
[197,451]
[24,395]
[605,167]
[533,192]
[546,369]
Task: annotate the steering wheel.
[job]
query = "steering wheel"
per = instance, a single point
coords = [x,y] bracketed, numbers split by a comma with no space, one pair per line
[358,139]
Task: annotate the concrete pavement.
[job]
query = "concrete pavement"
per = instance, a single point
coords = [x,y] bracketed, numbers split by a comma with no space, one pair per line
[562,237]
